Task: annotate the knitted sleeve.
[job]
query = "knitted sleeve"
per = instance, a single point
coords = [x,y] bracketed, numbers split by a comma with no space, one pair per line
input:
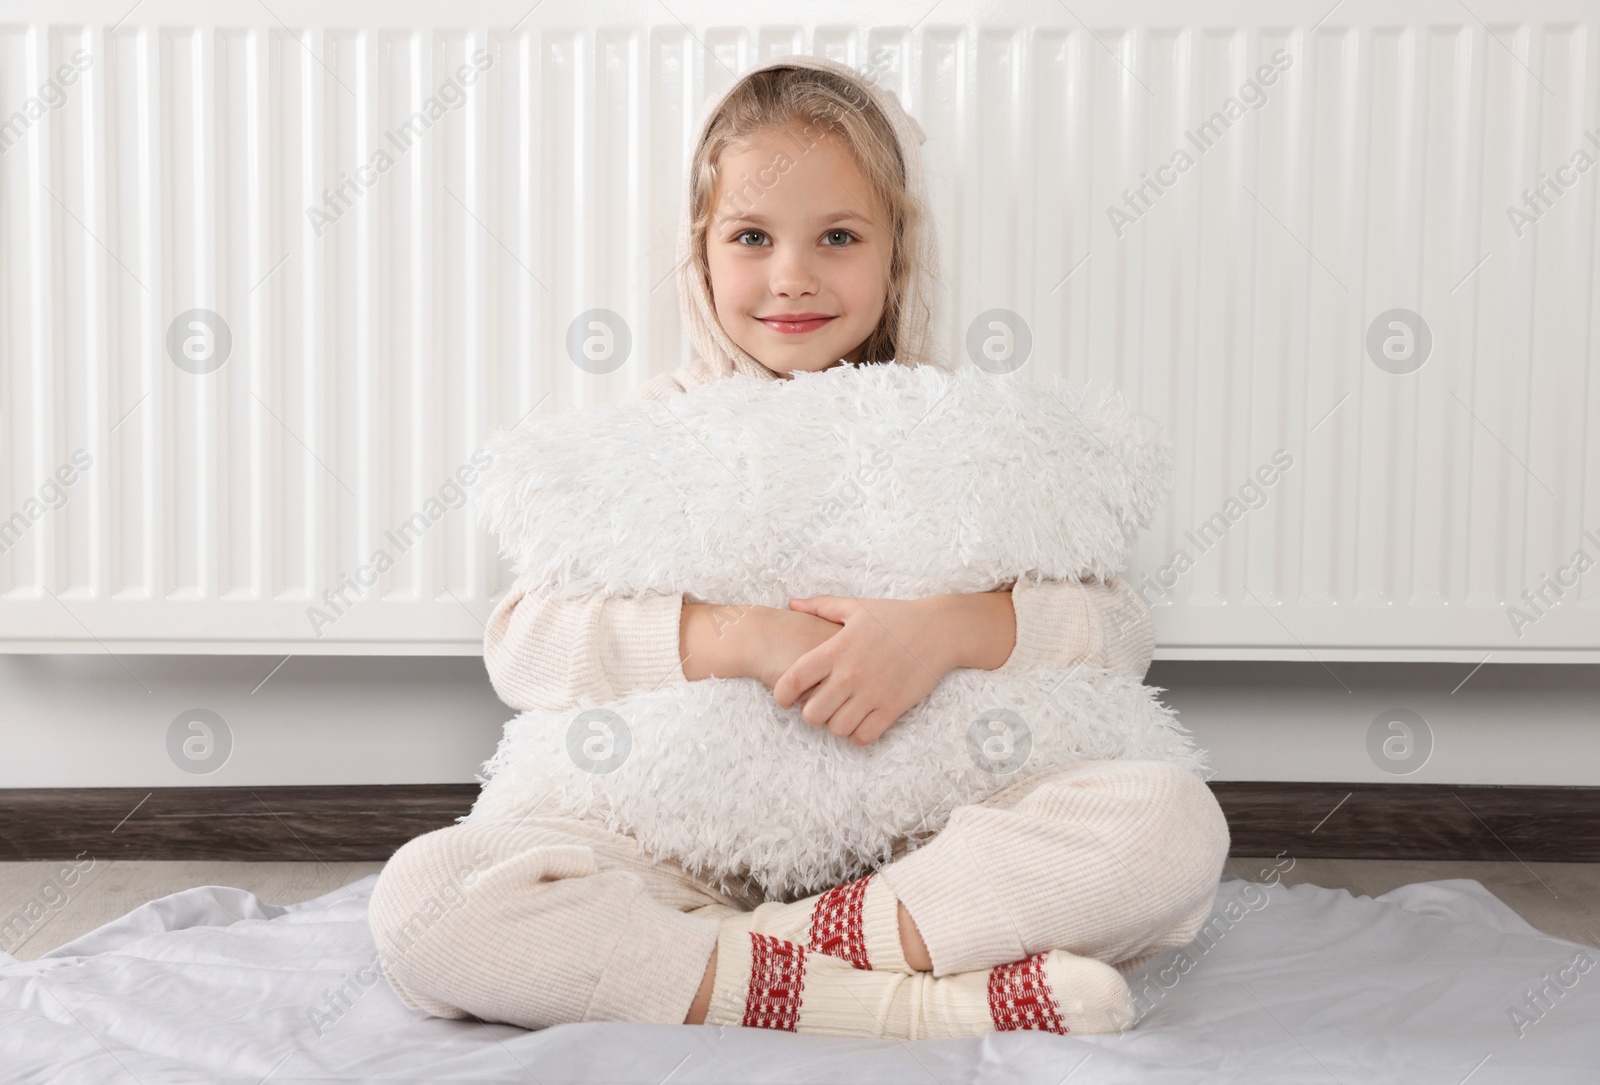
[1101,624]
[543,652]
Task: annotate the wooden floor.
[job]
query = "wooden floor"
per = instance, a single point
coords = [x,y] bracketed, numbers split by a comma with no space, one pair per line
[1562,899]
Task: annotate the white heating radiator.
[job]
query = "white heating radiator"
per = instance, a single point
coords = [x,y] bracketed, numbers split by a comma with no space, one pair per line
[382,317]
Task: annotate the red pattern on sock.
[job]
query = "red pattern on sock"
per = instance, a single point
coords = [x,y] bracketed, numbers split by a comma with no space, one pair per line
[836,924]
[1020,998]
[777,976]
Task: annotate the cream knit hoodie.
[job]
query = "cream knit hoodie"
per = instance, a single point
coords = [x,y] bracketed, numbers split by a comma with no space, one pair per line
[543,652]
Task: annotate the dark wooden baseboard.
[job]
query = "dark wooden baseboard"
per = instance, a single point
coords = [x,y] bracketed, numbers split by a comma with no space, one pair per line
[1413,821]
[368,822]
[332,824]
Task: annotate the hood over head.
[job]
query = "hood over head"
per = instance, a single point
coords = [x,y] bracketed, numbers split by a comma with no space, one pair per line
[715,353]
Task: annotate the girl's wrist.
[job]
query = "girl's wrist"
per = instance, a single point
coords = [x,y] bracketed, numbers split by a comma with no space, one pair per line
[977,630]
[719,640]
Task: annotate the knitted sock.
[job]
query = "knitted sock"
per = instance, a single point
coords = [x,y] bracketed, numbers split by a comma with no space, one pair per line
[858,922]
[1055,991]
[766,982]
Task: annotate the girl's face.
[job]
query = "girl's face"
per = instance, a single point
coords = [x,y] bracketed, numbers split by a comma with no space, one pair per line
[800,234]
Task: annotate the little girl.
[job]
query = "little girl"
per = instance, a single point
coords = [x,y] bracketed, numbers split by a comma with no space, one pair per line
[807,242]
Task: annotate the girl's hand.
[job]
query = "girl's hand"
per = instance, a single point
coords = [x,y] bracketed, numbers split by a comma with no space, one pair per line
[717,640]
[888,655]
[781,637]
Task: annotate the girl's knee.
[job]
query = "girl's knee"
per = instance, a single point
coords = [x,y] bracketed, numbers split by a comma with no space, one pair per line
[1186,814]
[398,908]
[1182,834]
[424,883]
[1160,817]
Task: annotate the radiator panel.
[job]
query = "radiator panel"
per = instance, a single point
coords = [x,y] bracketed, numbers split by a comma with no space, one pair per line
[380,331]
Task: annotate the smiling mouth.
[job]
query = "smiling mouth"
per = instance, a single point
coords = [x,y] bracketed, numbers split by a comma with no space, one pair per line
[796,327]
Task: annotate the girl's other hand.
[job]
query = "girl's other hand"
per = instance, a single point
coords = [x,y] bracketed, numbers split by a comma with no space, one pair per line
[888,655]
[783,636]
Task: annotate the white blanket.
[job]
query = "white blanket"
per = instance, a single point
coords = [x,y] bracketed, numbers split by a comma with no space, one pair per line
[1306,985]
[881,481]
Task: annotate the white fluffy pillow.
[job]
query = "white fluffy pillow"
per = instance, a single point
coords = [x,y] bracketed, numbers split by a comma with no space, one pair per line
[880,481]
[909,482]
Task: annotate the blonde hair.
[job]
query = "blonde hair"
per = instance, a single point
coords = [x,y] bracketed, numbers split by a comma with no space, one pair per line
[816,102]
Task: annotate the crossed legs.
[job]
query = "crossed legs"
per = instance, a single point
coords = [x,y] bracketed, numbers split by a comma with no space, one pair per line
[547,920]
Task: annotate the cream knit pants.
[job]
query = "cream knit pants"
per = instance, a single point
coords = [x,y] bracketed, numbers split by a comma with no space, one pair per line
[547,920]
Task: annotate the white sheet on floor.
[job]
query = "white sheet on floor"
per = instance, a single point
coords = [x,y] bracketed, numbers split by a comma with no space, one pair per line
[1307,985]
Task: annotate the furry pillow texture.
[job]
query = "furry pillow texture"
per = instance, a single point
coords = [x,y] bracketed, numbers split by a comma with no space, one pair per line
[876,481]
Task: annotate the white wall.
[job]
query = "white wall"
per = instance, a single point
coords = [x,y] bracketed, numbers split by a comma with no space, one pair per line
[1506,724]
[86,721]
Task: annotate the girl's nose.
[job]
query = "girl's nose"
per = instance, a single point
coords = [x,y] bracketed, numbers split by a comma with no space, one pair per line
[791,272]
